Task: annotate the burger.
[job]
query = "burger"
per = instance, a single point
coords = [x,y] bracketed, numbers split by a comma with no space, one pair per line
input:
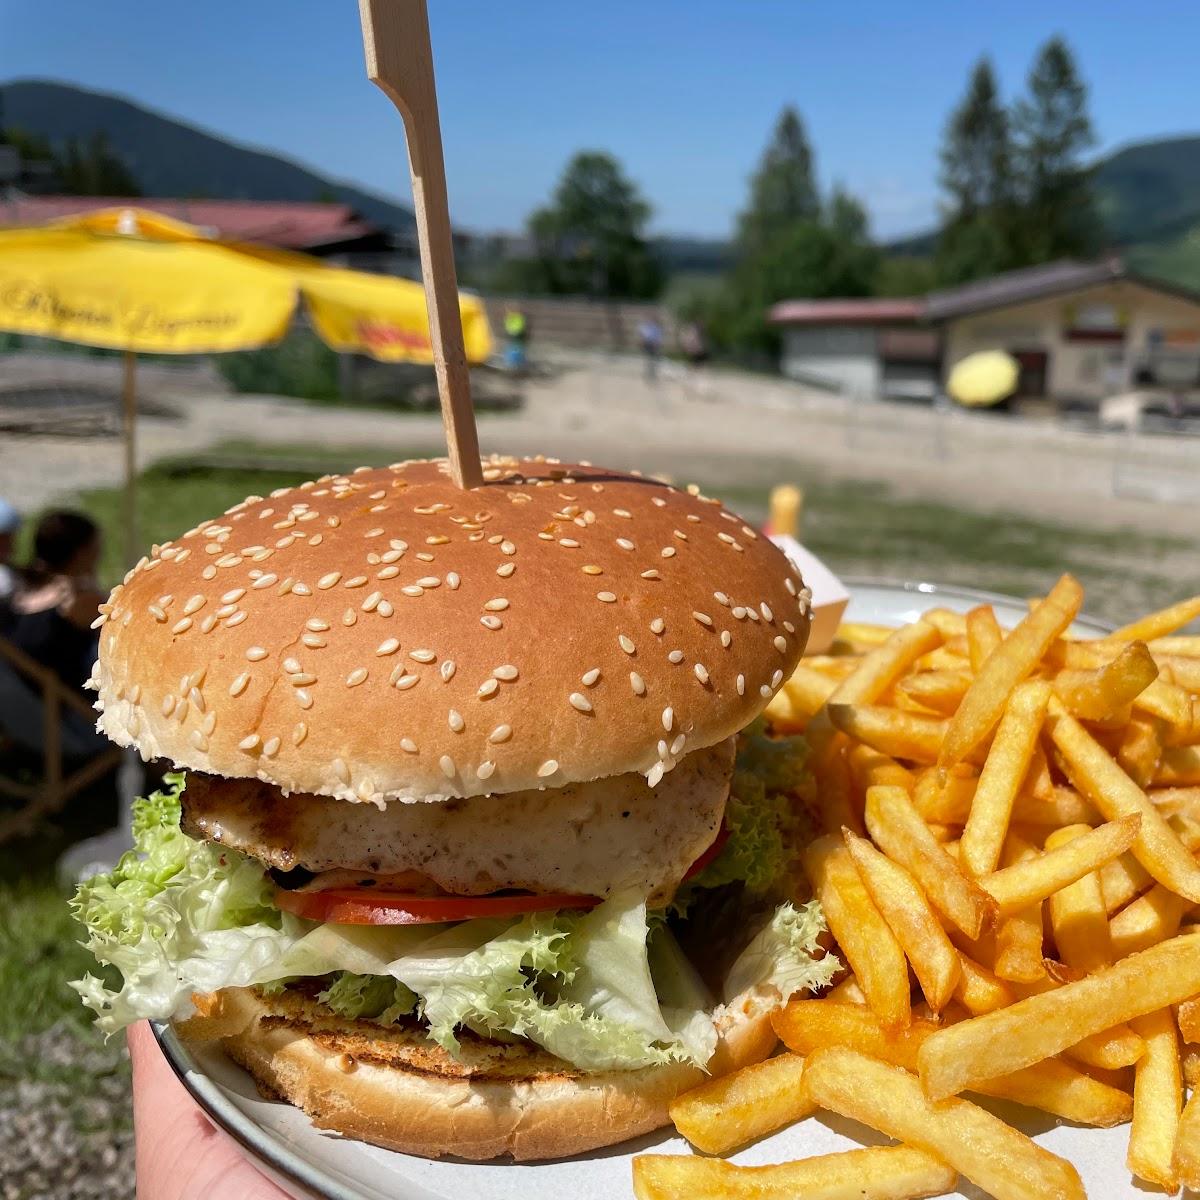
[473,844]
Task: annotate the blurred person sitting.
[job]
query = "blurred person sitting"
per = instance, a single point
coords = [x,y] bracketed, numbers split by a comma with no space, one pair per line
[57,596]
[10,525]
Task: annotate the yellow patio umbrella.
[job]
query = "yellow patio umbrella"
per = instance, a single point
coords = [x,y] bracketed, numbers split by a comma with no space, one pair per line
[133,280]
[983,379]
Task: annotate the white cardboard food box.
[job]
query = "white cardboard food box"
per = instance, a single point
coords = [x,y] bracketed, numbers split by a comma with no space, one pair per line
[829,594]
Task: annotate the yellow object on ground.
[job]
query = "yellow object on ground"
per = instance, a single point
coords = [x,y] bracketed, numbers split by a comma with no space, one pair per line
[984,379]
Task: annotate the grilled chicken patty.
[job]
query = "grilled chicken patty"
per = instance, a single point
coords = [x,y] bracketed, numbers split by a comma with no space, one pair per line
[585,838]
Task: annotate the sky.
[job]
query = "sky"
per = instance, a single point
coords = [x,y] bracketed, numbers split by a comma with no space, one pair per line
[683,92]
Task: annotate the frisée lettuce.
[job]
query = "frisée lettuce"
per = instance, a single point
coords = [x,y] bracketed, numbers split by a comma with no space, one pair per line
[603,989]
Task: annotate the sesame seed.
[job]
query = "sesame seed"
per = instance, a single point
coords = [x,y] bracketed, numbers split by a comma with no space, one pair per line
[499,604]
[776,678]
[408,745]
[292,666]
[701,672]
[427,581]
[256,654]
[621,512]
[765,609]
[303,697]
[657,625]
[721,598]
[506,672]
[703,618]
[651,574]
[728,538]
[302,589]
[588,678]
[341,770]
[182,626]
[489,687]
[447,670]
[739,613]
[265,581]
[726,638]
[680,534]
[590,569]
[447,765]
[655,774]
[299,733]
[199,740]
[668,718]
[236,619]
[789,627]
[678,744]
[406,681]
[490,622]
[349,617]
[606,597]
[485,770]
[500,734]
[330,580]
[194,605]
[168,705]
[637,683]
[195,698]
[626,644]
[547,768]
[209,572]
[249,742]
[676,656]
[239,685]
[411,589]
[388,573]
[507,547]
[314,641]
[390,646]
[791,587]
[232,597]
[226,610]
[181,711]
[356,582]
[455,721]
[568,543]
[302,679]
[781,643]
[764,691]
[209,724]
[668,552]
[741,685]
[625,544]
[658,502]
[579,701]
[453,580]
[422,656]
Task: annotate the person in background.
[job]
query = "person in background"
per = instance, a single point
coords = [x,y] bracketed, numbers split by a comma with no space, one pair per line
[650,335]
[516,332]
[57,596]
[693,344]
[10,524]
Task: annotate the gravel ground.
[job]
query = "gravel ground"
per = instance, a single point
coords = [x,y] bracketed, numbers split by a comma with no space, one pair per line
[65,1130]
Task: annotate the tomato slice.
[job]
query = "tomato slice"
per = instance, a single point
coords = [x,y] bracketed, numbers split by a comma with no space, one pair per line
[366,906]
[371,906]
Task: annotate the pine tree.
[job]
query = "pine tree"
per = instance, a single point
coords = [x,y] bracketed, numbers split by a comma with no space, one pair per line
[979,222]
[782,190]
[1053,131]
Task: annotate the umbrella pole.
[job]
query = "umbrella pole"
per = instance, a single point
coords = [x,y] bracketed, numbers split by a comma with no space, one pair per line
[129,436]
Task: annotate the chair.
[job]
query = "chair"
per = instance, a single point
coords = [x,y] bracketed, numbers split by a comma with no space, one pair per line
[39,713]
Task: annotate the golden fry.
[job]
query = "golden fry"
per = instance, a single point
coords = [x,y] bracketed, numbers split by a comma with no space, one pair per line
[1178,767]
[807,690]
[1160,624]
[1145,922]
[1033,879]
[1188,1017]
[874,1173]
[1099,694]
[897,829]
[891,731]
[1040,1026]
[1002,1161]
[904,907]
[869,946]
[865,634]
[1139,750]
[938,691]
[1185,1161]
[1018,953]
[1078,916]
[1157,1101]
[979,990]
[1016,657]
[724,1113]
[983,635]
[839,805]
[869,768]
[1122,880]
[1003,771]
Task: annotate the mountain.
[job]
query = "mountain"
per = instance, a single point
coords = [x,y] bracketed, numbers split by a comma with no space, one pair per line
[170,158]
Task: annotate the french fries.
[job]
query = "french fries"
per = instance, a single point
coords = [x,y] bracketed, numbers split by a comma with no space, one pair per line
[1041,1026]
[1004,770]
[868,943]
[1014,817]
[1013,661]
[876,1173]
[904,907]
[734,1109]
[1157,1101]
[1003,1162]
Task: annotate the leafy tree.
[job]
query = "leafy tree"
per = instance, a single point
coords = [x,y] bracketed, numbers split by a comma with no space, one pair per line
[904,275]
[590,238]
[1053,130]
[980,218]
[782,190]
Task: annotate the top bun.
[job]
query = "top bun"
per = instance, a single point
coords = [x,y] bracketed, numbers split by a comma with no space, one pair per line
[384,634]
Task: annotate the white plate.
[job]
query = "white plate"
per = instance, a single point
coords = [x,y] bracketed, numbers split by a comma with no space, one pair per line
[309,1163]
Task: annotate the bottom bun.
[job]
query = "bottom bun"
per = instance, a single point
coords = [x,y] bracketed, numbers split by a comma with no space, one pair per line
[394,1087]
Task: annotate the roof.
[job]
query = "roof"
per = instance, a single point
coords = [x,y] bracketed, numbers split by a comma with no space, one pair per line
[846,312]
[286,224]
[1022,286]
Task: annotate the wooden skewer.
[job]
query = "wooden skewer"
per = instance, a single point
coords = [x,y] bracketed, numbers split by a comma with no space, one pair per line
[400,63]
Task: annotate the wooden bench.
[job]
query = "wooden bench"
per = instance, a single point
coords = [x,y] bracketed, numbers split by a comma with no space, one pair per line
[55,788]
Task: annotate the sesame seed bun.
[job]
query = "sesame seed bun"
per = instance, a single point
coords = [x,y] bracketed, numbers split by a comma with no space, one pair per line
[384,634]
[395,1088]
